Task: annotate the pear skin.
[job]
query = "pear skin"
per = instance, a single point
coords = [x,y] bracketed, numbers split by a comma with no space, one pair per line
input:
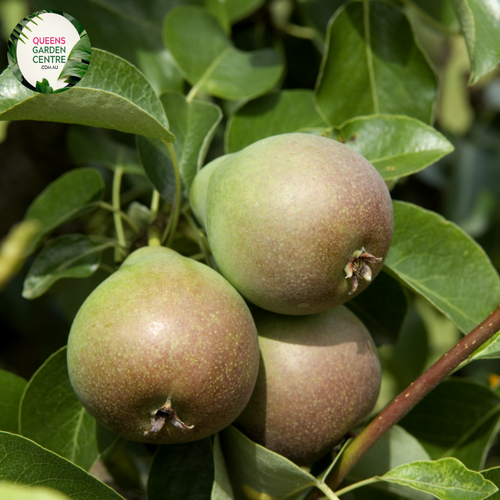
[298,223]
[163,351]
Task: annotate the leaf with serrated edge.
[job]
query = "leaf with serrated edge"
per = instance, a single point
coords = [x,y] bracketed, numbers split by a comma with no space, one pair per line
[11,392]
[209,61]
[480,22]
[67,256]
[288,111]
[447,479]
[257,470]
[439,261]
[51,414]
[371,55]
[112,94]
[25,462]
[395,145]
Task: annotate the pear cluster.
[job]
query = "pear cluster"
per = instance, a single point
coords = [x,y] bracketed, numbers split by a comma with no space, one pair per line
[168,350]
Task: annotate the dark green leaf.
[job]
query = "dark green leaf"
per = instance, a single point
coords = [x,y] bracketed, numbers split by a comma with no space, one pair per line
[372,57]
[13,491]
[480,21]
[182,472]
[288,111]
[395,145]
[395,448]
[113,94]
[155,159]
[317,13]
[66,198]
[493,475]
[459,419]
[89,145]
[447,479]
[193,124]
[78,59]
[52,416]
[255,470]
[68,256]
[382,308]
[239,9]
[440,262]
[25,462]
[11,391]
[210,62]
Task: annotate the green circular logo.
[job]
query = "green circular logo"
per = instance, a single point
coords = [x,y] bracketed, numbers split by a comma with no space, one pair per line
[49,51]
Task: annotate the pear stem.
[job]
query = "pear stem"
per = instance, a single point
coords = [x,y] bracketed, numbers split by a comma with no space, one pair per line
[154,237]
[120,234]
[155,203]
[169,233]
[200,237]
[123,215]
[408,399]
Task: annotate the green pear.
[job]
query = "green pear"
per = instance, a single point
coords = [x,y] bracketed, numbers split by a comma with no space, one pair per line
[164,351]
[297,223]
[319,376]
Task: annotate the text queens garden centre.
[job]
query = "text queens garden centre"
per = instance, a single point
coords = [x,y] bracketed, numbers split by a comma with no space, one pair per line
[49,50]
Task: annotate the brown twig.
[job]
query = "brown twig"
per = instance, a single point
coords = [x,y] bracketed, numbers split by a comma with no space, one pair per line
[403,403]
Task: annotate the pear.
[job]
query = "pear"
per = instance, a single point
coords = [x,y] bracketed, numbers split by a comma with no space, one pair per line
[298,223]
[319,376]
[163,351]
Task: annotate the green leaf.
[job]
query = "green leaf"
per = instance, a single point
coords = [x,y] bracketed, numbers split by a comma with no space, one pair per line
[221,489]
[382,308]
[287,111]
[155,159]
[112,94]
[182,472]
[493,475]
[193,124]
[447,479]
[68,197]
[371,54]
[255,470]
[440,262]
[68,256]
[78,59]
[11,392]
[25,462]
[480,22]
[458,418]
[209,61]
[52,416]
[89,145]
[395,145]
[317,13]
[395,448]
[13,491]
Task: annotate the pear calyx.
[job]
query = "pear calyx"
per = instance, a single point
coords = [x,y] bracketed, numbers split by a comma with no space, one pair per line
[357,267]
[165,414]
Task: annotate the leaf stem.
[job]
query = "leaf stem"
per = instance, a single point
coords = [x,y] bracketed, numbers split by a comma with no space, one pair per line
[120,234]
[123,215]
[357,485]
[403,403]
[169,233]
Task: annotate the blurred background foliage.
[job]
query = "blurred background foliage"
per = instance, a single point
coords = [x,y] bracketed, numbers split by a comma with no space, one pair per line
[464,186]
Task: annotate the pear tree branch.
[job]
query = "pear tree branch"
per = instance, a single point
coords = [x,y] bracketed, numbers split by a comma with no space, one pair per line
[408,399]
